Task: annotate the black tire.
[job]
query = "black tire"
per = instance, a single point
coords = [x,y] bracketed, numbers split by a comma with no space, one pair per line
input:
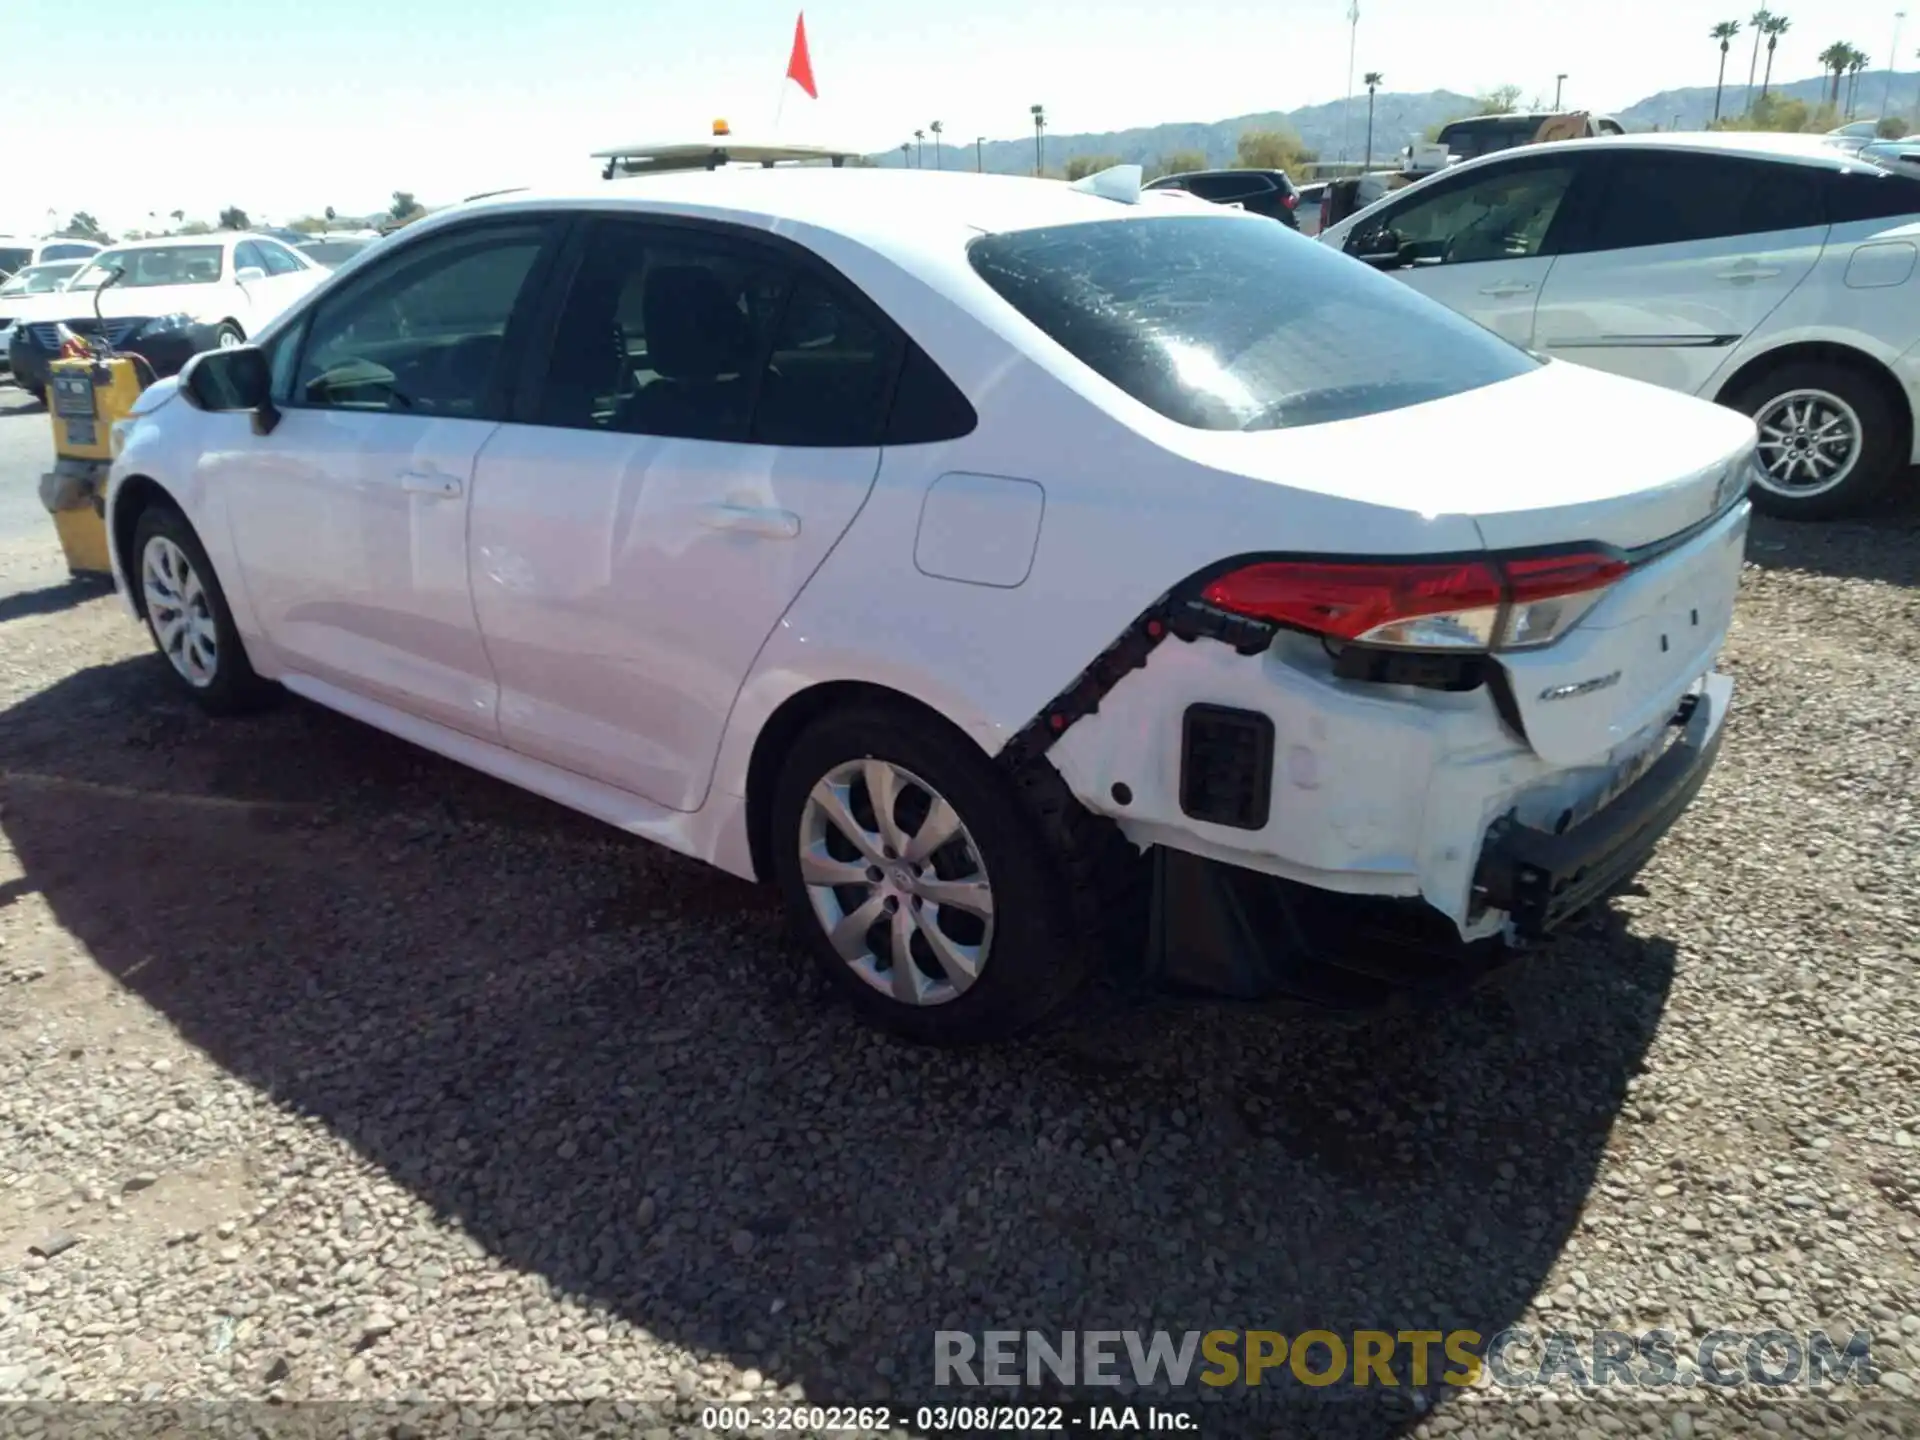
[228,329]
[232,687]
[1040,853]
[1883,449]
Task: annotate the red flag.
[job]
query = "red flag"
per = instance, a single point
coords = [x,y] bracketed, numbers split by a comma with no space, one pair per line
[800,64]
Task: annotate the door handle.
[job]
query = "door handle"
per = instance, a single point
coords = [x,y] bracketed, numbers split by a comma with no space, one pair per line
[1746,271]
[1508,287]
[444,487]
[754,519]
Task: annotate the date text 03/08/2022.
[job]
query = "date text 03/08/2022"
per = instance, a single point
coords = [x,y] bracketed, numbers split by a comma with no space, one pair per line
[933,1419]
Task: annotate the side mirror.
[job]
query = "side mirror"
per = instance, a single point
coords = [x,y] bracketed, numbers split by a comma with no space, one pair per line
[247,274]
[1376,245]
[231,380]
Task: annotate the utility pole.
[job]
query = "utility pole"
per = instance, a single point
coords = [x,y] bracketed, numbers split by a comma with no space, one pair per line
[1346,115]
[979,159]
[1886,97]
[1558,81]
[1039,144]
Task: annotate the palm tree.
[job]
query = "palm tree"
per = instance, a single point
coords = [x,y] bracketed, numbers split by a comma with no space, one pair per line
[1039,113]
[1859,62]
[906,153]
[936,127]
[1833,64]
[1777,25]
[1759,21]
[1372,79]
[920,149]
[1724,33]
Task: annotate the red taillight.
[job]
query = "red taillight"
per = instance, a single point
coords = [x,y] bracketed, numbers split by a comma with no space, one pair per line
[1514,602]
[1291,200]
[1543,577]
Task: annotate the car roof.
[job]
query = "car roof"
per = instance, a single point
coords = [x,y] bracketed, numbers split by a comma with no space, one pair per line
[888,208]
[1754,144]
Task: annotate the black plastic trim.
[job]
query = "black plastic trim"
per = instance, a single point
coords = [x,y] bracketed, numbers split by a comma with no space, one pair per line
[1251,801]
[1543,879]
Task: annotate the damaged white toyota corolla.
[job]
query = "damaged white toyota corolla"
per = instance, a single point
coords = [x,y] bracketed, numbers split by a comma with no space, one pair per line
[1033,583]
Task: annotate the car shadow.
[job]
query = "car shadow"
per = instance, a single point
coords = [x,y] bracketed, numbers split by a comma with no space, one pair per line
[1883,544]
[52,599]
[598,1060]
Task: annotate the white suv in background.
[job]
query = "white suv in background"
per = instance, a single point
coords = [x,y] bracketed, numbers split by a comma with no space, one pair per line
[1775,274]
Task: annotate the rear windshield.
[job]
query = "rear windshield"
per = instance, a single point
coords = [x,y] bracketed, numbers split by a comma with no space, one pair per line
[1228,322]
[13,258]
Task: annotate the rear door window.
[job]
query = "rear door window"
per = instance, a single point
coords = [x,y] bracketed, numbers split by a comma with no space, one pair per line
[1866,194]
[1674,199]
[1224,322]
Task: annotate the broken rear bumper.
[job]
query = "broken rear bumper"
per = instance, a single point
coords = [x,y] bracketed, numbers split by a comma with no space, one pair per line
[1542,879]
[1228,932]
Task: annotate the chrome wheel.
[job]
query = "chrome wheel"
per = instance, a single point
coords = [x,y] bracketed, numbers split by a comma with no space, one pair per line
[178,607]
[1810,441]
[228,338]
[896,882]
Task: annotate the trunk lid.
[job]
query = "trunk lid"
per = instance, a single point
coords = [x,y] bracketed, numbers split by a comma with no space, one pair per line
[1560,454]
[1606,688]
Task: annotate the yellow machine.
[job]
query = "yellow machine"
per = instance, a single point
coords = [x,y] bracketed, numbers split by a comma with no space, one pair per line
[86,396]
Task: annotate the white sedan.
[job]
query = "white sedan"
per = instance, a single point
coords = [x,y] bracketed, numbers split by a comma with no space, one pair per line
[937,546]
[165,300]
[1776,274]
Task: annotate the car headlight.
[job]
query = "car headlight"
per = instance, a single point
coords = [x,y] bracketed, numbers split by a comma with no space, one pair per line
[166,324]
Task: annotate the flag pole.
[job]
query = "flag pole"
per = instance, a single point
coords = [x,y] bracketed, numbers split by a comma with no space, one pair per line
[781,108]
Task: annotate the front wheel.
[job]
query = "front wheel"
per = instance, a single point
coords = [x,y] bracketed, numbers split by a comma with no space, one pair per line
[928,894]
[1830,442]
[187,614]
[228,337]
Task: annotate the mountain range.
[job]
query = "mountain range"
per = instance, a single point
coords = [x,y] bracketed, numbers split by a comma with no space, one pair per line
[1397,118]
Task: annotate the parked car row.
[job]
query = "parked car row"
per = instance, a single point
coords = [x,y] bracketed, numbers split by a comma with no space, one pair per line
[164,299]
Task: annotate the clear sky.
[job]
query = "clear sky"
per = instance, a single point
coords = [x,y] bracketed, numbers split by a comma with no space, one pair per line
[125,107]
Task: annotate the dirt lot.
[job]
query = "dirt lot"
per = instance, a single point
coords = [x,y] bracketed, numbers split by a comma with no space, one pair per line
[352,1074]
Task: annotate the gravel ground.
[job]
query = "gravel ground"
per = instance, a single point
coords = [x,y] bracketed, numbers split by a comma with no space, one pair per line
[351,1075]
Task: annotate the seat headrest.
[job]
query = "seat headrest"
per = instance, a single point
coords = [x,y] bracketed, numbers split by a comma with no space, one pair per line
[695,330]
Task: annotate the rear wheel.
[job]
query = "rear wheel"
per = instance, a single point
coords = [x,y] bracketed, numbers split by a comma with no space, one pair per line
[929,894]
[187,614]
[1830,440]
[228,336]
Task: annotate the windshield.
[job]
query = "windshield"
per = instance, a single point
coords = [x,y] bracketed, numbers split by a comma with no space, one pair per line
[39,279]
[333,252]
[1225,322]
[154,265]
[12,257]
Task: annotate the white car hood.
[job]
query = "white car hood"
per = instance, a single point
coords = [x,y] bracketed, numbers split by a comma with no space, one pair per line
[199,301]
[1563,453]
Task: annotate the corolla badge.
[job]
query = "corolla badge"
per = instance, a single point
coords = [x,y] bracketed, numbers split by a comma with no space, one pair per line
[1580,687]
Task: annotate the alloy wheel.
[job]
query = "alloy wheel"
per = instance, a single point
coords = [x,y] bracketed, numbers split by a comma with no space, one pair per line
[1810,441]
[181,613]
[897,882]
